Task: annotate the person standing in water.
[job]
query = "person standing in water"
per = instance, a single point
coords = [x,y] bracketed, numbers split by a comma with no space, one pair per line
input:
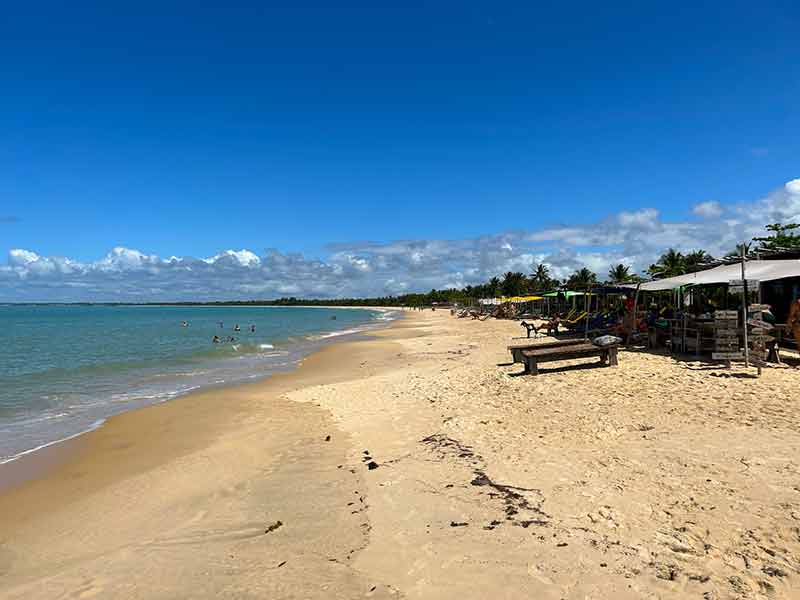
[252,328]
[237,328]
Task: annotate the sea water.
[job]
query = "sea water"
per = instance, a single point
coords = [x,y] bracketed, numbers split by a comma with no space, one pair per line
[65,369]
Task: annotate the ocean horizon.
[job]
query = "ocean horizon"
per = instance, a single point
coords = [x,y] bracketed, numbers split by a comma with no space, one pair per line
[65,369]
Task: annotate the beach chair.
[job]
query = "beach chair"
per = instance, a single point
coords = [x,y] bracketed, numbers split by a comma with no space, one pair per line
[532,357]
[530,327]
[600,324]
[575,321]
[494,313]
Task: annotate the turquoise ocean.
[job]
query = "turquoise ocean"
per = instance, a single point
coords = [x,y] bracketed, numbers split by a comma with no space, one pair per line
[65,369]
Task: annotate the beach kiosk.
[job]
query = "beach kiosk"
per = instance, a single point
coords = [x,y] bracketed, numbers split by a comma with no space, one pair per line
[773,283]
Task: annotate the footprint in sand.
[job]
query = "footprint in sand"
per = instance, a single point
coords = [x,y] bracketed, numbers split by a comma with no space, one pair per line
[90,588]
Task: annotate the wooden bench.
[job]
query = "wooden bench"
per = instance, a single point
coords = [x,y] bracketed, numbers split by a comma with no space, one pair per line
[532,357]
[516,349]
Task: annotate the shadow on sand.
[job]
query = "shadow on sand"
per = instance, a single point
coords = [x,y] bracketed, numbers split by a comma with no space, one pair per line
[563,369]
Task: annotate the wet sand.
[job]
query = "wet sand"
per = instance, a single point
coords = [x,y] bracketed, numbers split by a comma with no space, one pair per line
[446,475]
[182,499]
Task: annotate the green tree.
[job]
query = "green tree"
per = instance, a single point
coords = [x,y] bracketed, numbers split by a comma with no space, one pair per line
[513,284]
[620,274]
[494,287]
[582,278]
[669,264]
[540,278]
[782,237]
[737,252]
[696,261]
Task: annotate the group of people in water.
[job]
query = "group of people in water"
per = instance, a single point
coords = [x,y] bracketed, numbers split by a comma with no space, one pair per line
[217,339]
[236,327]
[230,339]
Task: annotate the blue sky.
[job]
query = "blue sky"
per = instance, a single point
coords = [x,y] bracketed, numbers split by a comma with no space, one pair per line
[304,132]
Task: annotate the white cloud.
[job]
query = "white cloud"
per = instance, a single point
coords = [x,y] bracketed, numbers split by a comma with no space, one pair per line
[126,259]
[20,257]
[369,268]
[646,218]
[708,210]
[243,258]
[782,205]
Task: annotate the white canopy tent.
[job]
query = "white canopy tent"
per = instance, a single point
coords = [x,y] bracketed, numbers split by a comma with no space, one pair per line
[761,270]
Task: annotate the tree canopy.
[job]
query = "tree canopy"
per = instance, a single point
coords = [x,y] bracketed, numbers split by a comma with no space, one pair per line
[620,274]
[783,237]
[673,263]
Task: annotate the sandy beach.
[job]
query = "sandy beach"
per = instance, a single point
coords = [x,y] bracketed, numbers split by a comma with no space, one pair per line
[420,464]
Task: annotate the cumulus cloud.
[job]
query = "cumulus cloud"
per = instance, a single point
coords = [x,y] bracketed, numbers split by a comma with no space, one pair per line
[242,258]
[709,210]
[370,268]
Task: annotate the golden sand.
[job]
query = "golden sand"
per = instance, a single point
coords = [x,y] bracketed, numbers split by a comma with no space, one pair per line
[655,479]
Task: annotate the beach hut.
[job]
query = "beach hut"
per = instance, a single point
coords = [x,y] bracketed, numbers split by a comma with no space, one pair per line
[774,281]
[764,272]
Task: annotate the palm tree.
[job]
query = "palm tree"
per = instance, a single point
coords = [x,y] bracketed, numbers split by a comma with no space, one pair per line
[582,278]
[696,261]
[738,252]
[513,284]
[541,278]
[620,274]
[669,264]
[494,287]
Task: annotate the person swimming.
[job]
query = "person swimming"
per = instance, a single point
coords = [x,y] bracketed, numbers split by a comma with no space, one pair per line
[184,323]
[215,340]
[237,328]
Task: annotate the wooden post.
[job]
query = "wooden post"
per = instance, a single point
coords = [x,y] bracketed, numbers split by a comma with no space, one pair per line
[744,311]
[633,316]
[586,306]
